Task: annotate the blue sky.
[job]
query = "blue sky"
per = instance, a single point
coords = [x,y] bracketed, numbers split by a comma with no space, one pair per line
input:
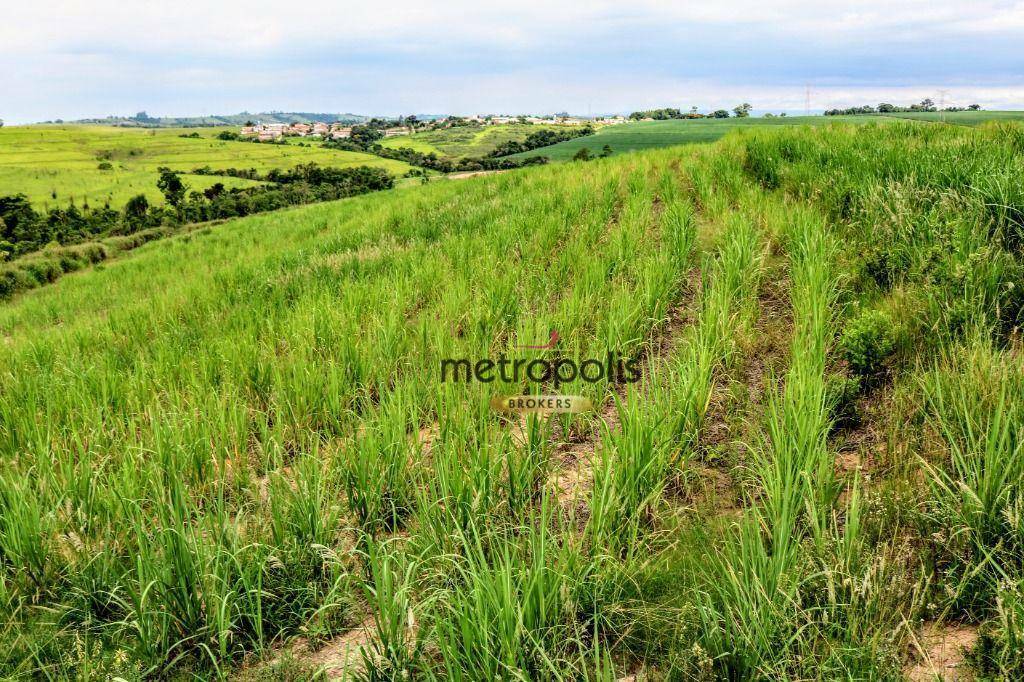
[76,59]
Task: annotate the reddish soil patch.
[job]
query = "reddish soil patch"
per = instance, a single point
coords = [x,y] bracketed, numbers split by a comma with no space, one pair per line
[940,653]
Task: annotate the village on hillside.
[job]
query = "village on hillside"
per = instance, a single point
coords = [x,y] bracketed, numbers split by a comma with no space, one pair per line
[268,132]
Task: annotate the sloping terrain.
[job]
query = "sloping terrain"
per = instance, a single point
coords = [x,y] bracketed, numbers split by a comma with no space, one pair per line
[967,118]
[641,135]
[474,141]
[235,451]
[55,165]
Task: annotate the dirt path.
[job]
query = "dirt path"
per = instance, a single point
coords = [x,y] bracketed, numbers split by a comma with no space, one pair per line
[472,174]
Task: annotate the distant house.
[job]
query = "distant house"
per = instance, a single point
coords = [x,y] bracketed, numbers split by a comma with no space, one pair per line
[320,129]
[340,133]
[266,132]
[394,132]
[300,129]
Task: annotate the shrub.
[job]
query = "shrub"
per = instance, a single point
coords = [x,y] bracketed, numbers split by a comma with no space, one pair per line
[105,166]
[45,270]
[868,340]
[582,155]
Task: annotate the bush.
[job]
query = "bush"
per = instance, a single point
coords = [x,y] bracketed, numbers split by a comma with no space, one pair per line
[867,342]
[582,155]
[105,166]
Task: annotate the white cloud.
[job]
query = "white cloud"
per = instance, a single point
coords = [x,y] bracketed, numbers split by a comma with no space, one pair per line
[244,26]
[64,58]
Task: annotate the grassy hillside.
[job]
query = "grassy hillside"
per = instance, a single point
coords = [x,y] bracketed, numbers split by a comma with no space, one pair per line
[463,141]
[234,451]
[57,164]
[631,137]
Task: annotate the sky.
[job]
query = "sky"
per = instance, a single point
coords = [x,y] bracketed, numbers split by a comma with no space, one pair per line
[63,59]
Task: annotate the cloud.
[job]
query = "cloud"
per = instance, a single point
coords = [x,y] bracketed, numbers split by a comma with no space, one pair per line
[73,59]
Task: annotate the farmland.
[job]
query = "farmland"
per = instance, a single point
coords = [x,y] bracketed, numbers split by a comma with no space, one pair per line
[631,137]
[55,165]
[654,134]
[473,141]
[966,118]
[233,454]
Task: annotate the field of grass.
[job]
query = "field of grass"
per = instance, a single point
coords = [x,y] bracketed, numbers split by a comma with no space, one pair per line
[631,137]
[232,453]
[966,118]
[637,136]
[459,142]
[54,165]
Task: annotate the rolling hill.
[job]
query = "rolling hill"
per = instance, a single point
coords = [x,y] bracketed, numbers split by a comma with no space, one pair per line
[236,453]
[640,135]
[471,141]
[54,165]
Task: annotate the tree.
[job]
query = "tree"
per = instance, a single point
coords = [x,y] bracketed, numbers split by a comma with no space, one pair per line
[886,108]
[743,110]
[606,151]
[364,135]
[16,216]
[214,190]
[720,113]
[171,186]
[582,155]
[136,211]
[973,107]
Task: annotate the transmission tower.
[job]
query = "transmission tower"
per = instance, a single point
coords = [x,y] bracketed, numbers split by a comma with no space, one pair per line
[942,105]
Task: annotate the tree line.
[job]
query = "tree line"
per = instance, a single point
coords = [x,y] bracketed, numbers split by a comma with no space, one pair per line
[366,138]
[24,229]
[541,138]
[887,108]
[669,113]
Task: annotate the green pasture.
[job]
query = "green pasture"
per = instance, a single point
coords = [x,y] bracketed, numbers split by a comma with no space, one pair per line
[640,135]
[55,165]
[464,140]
